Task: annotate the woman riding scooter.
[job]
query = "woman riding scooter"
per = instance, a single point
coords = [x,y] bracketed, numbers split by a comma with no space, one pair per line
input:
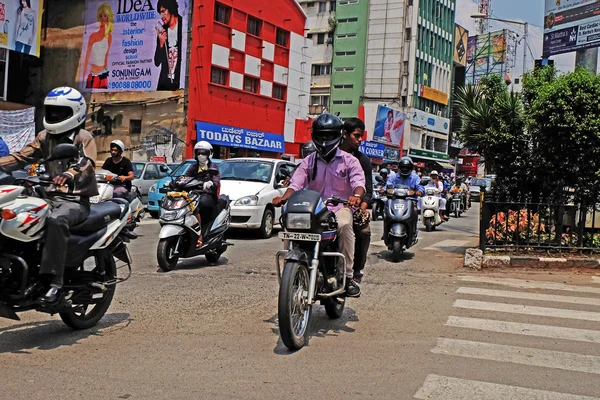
[205,171]
[436,183]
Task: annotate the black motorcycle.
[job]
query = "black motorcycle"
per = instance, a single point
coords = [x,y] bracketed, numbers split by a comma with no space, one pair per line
[313,267]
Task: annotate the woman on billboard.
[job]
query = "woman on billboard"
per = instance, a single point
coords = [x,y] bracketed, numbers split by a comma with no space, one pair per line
[99,45]
[168,45]
[26,25]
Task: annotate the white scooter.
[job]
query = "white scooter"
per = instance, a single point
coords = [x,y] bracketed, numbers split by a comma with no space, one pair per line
[430,209]
[106,185]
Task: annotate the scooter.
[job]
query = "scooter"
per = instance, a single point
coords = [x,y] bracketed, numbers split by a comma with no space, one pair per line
[430,209]
[106,185]
[180,228]
[400,225]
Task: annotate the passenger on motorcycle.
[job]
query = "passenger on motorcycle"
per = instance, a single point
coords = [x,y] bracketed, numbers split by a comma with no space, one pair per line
[208,172]
[354,129]
[120,166]
[436,183]
[332,172]
[74,183]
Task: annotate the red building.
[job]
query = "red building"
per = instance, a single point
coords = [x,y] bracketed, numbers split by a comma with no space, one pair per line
[249,76]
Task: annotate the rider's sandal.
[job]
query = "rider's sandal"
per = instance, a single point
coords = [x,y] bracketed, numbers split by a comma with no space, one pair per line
[199,243]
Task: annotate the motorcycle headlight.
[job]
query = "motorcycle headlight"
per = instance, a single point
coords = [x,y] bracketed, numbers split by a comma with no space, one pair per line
[401,192]
[247,201]
[172,215]
[298,221]
[152,188]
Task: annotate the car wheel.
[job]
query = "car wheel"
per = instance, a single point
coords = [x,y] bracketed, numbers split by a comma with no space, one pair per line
[266,228]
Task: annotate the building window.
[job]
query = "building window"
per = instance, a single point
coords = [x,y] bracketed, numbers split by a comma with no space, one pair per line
[3,73]
[322,7]
[311,4]
[254,26]
[319,101]
[218,76]
[321,38]
[345,53]
[282,37]
[222,13]
[343,86]
[332,6]
[348,2]
[135,126]
[344,69]
[309,35]
[279,92]
[251,84]
[342,102]
[354,19]
[346,35]
[321,69]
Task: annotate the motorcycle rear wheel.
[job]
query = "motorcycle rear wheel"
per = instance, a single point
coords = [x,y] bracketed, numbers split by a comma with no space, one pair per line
[397,250]
[334,308]
[80,316]
[294,312]
[213,256]
[164,254]
[456,212]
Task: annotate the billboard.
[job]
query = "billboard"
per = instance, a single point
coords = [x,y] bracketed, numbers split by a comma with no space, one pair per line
[230,136]
[133,46]
[20,25]
[461,36]
[570,25]
[486,55]
[389,126]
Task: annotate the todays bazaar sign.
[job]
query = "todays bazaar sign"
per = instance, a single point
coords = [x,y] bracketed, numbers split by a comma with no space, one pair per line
[230,136]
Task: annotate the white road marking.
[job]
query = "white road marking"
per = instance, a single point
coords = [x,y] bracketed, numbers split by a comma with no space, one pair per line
[447,244]
[148,221]
[595,279]
[526,284]
[515,328]
[528,310]
[444,388]
[530,296]
[519,355]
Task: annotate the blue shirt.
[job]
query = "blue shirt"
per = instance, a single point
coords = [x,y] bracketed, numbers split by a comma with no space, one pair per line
[413,181]
[3,148]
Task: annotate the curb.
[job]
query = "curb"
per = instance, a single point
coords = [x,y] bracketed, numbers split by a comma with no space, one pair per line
[473,256]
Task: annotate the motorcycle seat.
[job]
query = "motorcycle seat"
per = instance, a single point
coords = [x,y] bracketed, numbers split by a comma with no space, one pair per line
[101,214]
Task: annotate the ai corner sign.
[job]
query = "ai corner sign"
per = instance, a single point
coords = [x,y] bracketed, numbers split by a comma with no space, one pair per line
[223,135]
[372,149]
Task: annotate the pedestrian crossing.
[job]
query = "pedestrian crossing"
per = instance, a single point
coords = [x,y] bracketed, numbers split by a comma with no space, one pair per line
[507,306]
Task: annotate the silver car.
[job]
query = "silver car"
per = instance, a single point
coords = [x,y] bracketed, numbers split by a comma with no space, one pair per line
[146,174]
[475,187]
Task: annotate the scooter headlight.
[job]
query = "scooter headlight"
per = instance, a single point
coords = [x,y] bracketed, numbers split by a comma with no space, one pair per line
[298,221]
[401,192]
[172,215]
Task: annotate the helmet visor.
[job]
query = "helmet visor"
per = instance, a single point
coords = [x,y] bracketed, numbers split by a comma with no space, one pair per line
[202,152]
[404,170]
[56,114]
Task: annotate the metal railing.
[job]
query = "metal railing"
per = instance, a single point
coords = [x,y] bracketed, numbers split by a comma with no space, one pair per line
[539,224]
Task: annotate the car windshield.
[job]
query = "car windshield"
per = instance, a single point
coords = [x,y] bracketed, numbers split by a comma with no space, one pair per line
[480,182]
[182,168]
[138,168]
[246,170]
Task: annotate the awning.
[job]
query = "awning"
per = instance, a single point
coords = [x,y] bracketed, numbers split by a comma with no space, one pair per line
[446,165]
[320,30]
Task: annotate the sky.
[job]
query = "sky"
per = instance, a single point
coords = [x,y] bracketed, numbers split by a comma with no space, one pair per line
[531,11]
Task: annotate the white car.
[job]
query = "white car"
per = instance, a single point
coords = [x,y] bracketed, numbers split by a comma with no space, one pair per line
[252,184]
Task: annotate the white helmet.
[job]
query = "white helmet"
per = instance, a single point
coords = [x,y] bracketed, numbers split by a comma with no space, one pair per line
[203,145]
[119,144]
[64,110]
[434,172]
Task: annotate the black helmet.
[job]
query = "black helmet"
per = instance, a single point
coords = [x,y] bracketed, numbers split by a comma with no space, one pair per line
[307,149]
[405,166]
[384,172]
[327,134]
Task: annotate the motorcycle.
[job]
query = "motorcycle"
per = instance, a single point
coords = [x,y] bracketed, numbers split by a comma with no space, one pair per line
[180,228]
[400,225]
[430,209]
[457,203]
[378,200]
[90,273]
[313,268]
[106,185]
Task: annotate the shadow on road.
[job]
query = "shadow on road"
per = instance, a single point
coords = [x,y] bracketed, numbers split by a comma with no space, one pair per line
[52,334]
[321,326]
[199,262]
[387,256]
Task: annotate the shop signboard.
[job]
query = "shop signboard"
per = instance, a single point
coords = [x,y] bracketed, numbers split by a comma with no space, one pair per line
[131,45]
[20,25]
[372,149]
[389,126]
[429,93]
[429,155]
[571,25]
[391,154]
[461,37]
[429,121]
[230,136]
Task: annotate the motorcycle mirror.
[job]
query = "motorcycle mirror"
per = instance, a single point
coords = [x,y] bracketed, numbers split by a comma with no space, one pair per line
[63,151]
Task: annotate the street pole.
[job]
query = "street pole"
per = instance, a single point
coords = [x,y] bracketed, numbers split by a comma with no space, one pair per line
[525,48]
[588,59]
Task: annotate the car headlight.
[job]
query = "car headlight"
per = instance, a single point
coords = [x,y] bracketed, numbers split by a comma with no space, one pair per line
[152,188]
[298,221]
[247,201]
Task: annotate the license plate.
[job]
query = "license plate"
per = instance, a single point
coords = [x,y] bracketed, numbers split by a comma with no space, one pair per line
[399,206]
[95,199]
[307,237]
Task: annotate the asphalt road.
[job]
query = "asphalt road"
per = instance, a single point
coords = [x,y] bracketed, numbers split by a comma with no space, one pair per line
[423,328]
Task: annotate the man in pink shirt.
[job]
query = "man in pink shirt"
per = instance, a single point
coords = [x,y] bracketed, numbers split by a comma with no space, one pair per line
[332,172]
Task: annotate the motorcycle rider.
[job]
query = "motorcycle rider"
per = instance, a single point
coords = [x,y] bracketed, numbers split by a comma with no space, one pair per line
[354,129]
[463,188]
[64,113]
[384,173]
[436,183]
[122,167]
[406,176]
[332,172]
[208,172]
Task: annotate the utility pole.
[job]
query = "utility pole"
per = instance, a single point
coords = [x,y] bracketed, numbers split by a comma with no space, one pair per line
[526,32]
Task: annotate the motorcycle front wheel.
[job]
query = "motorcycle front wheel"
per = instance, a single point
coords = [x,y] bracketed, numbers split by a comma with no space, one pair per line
[167,261]
[428,222]
[294,312]
[397,250]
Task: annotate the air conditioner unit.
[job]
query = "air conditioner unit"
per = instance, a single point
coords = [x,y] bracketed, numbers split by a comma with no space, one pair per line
[439,113]
[329,40]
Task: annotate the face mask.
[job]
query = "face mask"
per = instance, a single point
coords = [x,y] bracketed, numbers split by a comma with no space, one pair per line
[202,159]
